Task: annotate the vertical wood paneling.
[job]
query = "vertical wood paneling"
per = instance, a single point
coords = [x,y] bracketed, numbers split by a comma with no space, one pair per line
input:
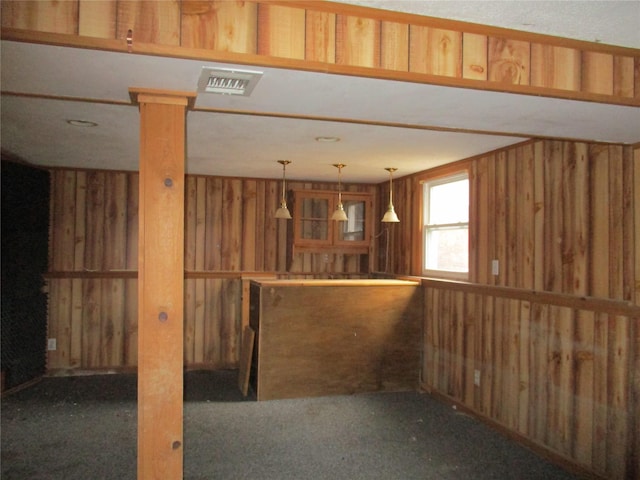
[557,374]
[150,22]
[623,76]
[357,41]
[474,56]
[281,31]
[213,234]
[94,249]
[487,380]
[130,348]
[189,319]
[395,46]
[115,221]
[600,221]
[132,221]
[554,219]
[92,324]
[500,217]
[248,243]
[597,73]
[509,61]
[232,221]
[223,25]
[523,381]
[619,408]
[435,51]
[320,37]
[190,223]
[600,443]
[270,226]
[629,227]
[555,67]
[76,321]
[584,388]
[538,216]
[80,223]
[97,18]
[64,219]
[635,179]
[40,15]
[616,226]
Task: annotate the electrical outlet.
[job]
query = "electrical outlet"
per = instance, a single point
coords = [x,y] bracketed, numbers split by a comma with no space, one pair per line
[495,267]
[51,344]
[476,378]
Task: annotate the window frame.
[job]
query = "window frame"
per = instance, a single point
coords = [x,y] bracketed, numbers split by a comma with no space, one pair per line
[449,176]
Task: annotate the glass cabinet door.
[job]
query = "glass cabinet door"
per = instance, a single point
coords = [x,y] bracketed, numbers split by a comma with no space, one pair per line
[353,230]
[314,218]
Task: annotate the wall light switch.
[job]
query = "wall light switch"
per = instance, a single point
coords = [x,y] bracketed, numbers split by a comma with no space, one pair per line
[51,344]
[476,378]
[495,267]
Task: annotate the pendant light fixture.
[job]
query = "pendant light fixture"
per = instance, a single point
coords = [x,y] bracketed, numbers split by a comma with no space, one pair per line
[283,211]
[390,215]
[339,214]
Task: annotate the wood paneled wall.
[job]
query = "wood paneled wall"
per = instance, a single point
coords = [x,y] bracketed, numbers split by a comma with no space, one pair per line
[318,35]
[558,216]
[558,370]
[230,232]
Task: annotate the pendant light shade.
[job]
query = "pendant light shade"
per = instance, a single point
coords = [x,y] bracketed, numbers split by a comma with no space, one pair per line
[283,211]
[339,214]
[390,215]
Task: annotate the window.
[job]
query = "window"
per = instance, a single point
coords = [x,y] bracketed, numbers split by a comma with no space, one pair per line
[446,226]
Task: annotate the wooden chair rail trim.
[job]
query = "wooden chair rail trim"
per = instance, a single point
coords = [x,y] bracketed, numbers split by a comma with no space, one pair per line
[82,274]
[602,305]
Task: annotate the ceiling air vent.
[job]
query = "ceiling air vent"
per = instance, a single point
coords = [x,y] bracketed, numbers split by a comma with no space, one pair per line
[227,81]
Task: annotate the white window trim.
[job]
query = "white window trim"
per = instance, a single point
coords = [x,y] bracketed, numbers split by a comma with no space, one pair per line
[447,274]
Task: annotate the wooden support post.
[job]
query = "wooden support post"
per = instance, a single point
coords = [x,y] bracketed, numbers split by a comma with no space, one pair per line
[161,283]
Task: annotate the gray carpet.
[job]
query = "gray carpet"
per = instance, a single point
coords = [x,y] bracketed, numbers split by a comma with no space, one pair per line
[85,428]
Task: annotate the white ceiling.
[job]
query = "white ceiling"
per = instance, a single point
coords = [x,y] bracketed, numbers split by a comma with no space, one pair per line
[416,126]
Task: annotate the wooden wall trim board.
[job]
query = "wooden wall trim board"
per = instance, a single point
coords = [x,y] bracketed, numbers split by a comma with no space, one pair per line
[362,42]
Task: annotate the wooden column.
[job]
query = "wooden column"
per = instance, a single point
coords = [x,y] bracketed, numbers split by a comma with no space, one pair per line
[161,282]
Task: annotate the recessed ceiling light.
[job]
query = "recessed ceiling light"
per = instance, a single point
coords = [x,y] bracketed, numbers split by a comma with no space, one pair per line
[327,139]
[82,123]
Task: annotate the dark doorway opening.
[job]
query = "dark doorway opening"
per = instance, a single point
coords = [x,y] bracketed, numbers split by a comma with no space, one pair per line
[25,235]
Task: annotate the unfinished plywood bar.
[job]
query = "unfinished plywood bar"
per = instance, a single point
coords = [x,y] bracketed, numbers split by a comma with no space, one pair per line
[365,340]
